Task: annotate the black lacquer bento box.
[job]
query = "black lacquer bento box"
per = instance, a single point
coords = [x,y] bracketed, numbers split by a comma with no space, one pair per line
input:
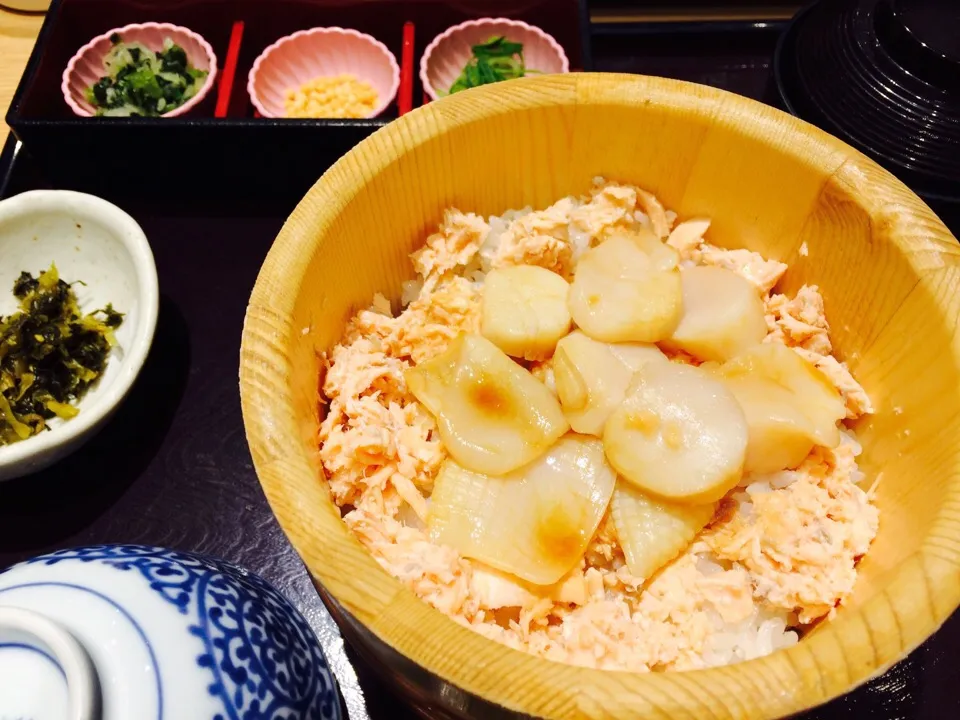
[222,138]
[211,190]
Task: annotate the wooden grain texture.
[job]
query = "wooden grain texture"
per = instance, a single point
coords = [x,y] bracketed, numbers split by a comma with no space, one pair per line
[888,269]
[18,32]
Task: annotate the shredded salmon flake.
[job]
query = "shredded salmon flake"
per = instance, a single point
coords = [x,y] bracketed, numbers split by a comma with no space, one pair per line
[781,551]
[539,238]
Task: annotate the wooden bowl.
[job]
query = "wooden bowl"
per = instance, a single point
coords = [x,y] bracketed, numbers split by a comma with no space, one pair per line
[887,267]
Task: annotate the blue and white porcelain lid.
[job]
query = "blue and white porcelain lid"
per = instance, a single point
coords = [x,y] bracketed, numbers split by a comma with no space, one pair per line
[141,633]
[45,674]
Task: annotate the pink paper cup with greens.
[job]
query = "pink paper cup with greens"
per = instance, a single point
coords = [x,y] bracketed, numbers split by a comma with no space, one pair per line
[449,53]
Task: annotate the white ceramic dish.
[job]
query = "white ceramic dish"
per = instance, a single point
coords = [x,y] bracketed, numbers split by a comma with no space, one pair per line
[96,242]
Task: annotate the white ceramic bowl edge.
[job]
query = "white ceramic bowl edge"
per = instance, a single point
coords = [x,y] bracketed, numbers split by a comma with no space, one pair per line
[94,241]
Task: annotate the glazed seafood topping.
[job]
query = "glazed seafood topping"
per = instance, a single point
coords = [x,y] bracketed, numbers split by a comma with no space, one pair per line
[492,61]
[51,354]
[143,83]
[595,436]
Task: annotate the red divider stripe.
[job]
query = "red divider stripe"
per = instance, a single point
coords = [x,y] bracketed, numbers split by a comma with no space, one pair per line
[405,102]
[229,70]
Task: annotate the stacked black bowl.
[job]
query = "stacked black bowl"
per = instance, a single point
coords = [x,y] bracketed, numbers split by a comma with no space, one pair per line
[884,76]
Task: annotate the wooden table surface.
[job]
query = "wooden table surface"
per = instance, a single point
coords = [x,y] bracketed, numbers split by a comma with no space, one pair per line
[18,32]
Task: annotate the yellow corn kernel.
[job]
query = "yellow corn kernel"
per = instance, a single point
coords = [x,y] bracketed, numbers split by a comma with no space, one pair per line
[341,96]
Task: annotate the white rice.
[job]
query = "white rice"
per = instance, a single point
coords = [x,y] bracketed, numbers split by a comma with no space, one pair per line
[849,438]
[761,633]
[758,635]
[580,241]
[411,291]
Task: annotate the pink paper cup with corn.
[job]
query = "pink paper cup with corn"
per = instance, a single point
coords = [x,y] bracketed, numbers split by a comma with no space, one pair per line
[324,73]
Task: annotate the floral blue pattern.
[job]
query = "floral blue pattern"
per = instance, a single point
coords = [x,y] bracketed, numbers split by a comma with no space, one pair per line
[264,660]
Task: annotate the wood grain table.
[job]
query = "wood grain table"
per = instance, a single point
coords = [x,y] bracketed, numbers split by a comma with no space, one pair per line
[18,32]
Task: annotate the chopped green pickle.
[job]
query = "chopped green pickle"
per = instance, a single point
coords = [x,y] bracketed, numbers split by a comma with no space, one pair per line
[143,83]
[51,354]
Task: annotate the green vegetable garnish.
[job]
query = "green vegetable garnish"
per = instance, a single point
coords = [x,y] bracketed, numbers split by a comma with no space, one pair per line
[495,60]
[140,82]
[50,354]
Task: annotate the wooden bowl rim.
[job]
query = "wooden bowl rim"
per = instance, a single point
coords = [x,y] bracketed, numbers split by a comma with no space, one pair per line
[860,643]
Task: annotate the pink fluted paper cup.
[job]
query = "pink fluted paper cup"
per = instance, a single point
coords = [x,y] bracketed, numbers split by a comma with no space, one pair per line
[321,52]
[86,66]
[448,53]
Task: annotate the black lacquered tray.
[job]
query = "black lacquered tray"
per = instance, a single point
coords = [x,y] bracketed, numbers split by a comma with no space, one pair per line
[173,468]
[272,159]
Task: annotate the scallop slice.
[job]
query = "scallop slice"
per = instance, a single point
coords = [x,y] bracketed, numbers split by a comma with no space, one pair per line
[627,290]
[592,377]
[591,382]
[636,355]
[535,522]
[492,414]
[524,310]
[661,255]
[653,532]
[779,434]
[680,435]
[722,314]
[815,395]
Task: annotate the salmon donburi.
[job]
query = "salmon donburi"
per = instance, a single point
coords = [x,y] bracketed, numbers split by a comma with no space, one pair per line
[589,434]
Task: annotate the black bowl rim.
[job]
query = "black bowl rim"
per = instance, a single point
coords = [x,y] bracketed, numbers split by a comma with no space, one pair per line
[780,63]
